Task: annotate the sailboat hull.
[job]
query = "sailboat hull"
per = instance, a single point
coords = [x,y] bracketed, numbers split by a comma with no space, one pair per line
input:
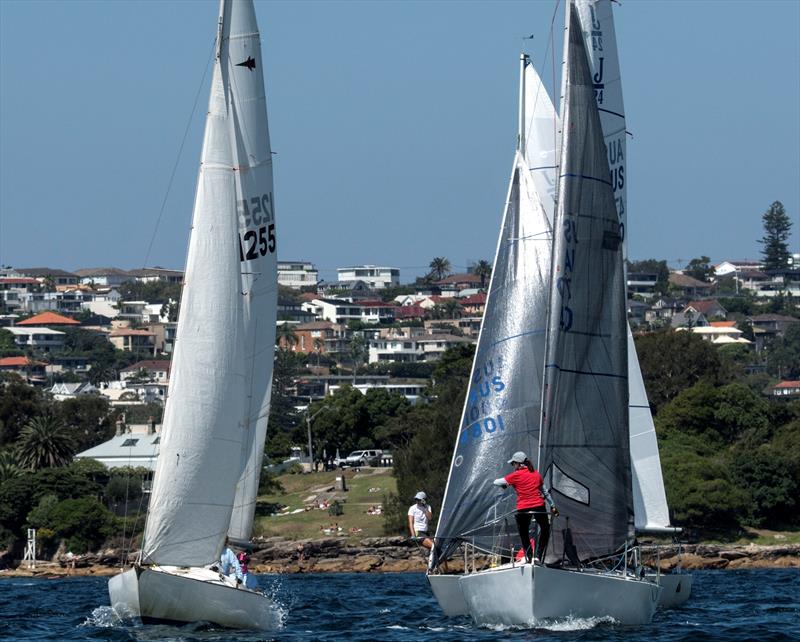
[675,588]
[524,595]
[447,591]
[185,595]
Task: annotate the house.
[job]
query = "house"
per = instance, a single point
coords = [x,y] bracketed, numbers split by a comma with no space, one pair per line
[786,389]
[142,341]
[345,290]
[149,370]
[341,311]
[12,289]
[376,277]
[473,305]
[31,371]
[662,310]
[49,276]
[727,268]
[719,335]
[43,339]
[321,337]
[103,277]
[643,284]
[709,308]
[165,334]
[317,387]
[136,447]
[451,285]
[636,312]
[768,326]
[297,274]
[689,286]
[410,313]
[48,319]
[68,301]
[150,275]
[688,319]
[63,391]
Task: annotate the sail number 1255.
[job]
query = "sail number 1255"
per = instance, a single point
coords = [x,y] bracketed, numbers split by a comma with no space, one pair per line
[260,239]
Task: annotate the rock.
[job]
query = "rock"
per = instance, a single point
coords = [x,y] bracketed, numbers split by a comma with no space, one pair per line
[364,563]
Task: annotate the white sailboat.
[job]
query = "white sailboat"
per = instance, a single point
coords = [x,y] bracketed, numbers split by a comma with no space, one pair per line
[215,419]
[580,364]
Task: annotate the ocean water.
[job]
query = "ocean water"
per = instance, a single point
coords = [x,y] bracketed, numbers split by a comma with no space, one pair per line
[738,606]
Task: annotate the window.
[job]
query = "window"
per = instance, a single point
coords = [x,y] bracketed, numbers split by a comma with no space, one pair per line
[129,443]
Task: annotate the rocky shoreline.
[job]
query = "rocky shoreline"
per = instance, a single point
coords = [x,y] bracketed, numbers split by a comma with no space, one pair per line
[398,554]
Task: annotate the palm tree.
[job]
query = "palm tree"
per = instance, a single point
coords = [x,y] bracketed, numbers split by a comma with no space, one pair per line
[44,443]
[355,351]
[452,308]
[439,266]
[8,466]
[318,345]
[483,269]
[286,335]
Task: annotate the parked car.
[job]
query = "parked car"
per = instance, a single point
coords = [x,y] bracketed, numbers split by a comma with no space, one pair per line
[360,457]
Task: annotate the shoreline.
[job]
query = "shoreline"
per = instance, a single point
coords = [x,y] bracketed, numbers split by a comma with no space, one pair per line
[277,555]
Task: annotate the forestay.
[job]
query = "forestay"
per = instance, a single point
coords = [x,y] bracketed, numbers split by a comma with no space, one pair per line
[201,444]
[503,405]
[252,158]
[585,441]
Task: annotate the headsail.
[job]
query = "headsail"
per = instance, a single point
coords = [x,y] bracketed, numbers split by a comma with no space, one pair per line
[503,405]
[200,461]
[585,442]
[252,158]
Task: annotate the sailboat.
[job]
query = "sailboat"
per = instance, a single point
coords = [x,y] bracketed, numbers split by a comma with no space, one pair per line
[212,442]
[557,388]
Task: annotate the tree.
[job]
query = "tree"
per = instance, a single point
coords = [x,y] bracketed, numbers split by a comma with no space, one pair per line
[483,269]
[783,356]
[777,226]
[452,308]
[44,442]
[356,349]
[318,345]
[19,403]
[699,268]
[87,420]
[286,336]
[674,361]
[440,267]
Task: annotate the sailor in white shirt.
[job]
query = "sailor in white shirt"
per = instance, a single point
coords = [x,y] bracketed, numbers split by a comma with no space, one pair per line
[419,518]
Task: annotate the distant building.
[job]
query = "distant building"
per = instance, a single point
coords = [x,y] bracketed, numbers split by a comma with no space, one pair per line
[64,391]
[31,371]
[51,276]
[297,274]
[141,341]
[109,277]
[786,389]
[689,286]
[148,275]
[43,339]
[375,276]
[136,446]
[643,284]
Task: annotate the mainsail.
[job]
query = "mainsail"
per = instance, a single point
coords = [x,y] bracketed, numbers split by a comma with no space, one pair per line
[252,158]
[503,405]
[597,26]
[584,441]
[215,419]
[200,458]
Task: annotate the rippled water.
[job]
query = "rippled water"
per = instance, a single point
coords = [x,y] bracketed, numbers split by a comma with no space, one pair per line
[762,605]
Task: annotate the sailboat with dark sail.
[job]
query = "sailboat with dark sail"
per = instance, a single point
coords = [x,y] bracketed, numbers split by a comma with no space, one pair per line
[550,377]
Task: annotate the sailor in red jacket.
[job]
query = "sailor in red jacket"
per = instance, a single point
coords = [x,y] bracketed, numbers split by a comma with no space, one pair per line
[531,497]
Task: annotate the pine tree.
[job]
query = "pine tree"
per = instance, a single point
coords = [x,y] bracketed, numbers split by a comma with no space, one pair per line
[776,234]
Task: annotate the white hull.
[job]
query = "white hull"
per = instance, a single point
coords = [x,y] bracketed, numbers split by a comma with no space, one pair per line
[189,595]
[524,595]
[447,591]
[675,588]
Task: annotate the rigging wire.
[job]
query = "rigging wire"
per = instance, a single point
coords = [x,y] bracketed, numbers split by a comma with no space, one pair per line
[178,158]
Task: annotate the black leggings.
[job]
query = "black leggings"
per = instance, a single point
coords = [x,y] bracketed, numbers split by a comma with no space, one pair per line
[523,518]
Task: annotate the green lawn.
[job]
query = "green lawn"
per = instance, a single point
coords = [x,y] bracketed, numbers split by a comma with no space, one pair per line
[300,489]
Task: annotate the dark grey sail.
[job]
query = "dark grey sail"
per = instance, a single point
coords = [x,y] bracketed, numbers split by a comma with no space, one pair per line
[502,410]
[585,445]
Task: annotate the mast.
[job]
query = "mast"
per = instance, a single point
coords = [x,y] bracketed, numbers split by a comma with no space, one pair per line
[521,142]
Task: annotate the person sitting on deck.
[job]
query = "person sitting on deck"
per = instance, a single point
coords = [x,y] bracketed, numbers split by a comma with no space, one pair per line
[229,564]
[419,517]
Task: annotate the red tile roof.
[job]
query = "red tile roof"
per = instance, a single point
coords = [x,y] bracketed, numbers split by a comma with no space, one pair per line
[723,324]
[125,332]
[11,362]
[49,318]
[788,384]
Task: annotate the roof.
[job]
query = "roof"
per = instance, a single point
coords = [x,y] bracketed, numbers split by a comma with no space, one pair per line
[106,271]
[18,362]
[459,278]
[723,324]
[148,364]
[475,299]
[705,305]
[686,281]
[44,271]
[29,331]
[787,384]
[130,449]
[127,332]
[407,311]
[49,318]
[430,338]
[17,280]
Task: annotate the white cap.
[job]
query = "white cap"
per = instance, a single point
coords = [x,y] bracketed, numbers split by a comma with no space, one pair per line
[518,457]
[421,495]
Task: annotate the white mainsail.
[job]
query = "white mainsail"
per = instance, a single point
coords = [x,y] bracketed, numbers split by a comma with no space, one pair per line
[252,158]
[215,419]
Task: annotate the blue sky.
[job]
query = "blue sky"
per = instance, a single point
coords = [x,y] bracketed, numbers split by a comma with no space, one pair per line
[394,125]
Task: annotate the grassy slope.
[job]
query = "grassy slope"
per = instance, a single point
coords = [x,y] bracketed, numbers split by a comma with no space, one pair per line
[358,499]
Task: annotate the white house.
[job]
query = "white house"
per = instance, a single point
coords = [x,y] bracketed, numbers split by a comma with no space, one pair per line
[377,277]
[340,311]
[63,391]
[297,274]
[37,338]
